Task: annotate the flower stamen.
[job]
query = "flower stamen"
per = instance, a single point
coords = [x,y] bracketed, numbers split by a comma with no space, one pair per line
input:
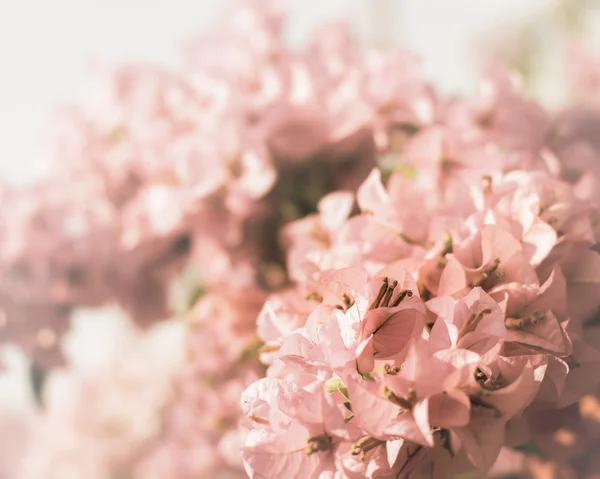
[472,323]
[401,295]
[259,420]
[382,291]
[517,324]
[364,445]
[388,294]
[314,296]
[487,185]
[269,348]
[404,403]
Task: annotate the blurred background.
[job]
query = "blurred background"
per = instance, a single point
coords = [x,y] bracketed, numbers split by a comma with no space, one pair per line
[52,53]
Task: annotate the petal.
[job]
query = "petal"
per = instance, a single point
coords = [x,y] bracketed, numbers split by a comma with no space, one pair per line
[539,241]
[449,410]
[582,272]
[420,413]
[392,449]
[372,412]
[335,208]
[371,195]
[453,279]
[365,357]
[482,440]
[546,335]
[267,455]
[259,396]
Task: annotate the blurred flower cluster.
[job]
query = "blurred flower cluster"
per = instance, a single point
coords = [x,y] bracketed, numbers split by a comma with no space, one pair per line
[375,281]
[100,418]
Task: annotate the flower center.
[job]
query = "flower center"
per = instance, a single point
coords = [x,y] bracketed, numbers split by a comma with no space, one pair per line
[320,442]
[347,303]
[488,276]
[489,384]
[572,362]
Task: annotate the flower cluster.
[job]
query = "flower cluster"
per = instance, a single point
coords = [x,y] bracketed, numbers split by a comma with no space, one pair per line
[446,319]
[396,284]
[195,165]
[323,118]
[99,419]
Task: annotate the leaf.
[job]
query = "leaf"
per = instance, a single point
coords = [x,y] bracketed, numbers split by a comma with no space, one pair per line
[335,384]
[367,376]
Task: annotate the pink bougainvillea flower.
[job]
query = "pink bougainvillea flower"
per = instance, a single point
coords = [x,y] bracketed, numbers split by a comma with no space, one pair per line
[473,322]
[291,429]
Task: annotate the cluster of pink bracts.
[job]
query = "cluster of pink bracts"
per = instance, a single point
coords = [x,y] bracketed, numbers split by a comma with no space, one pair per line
[436,334]
[429,266]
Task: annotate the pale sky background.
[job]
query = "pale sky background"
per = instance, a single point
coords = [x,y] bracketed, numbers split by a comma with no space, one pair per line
[47,49]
